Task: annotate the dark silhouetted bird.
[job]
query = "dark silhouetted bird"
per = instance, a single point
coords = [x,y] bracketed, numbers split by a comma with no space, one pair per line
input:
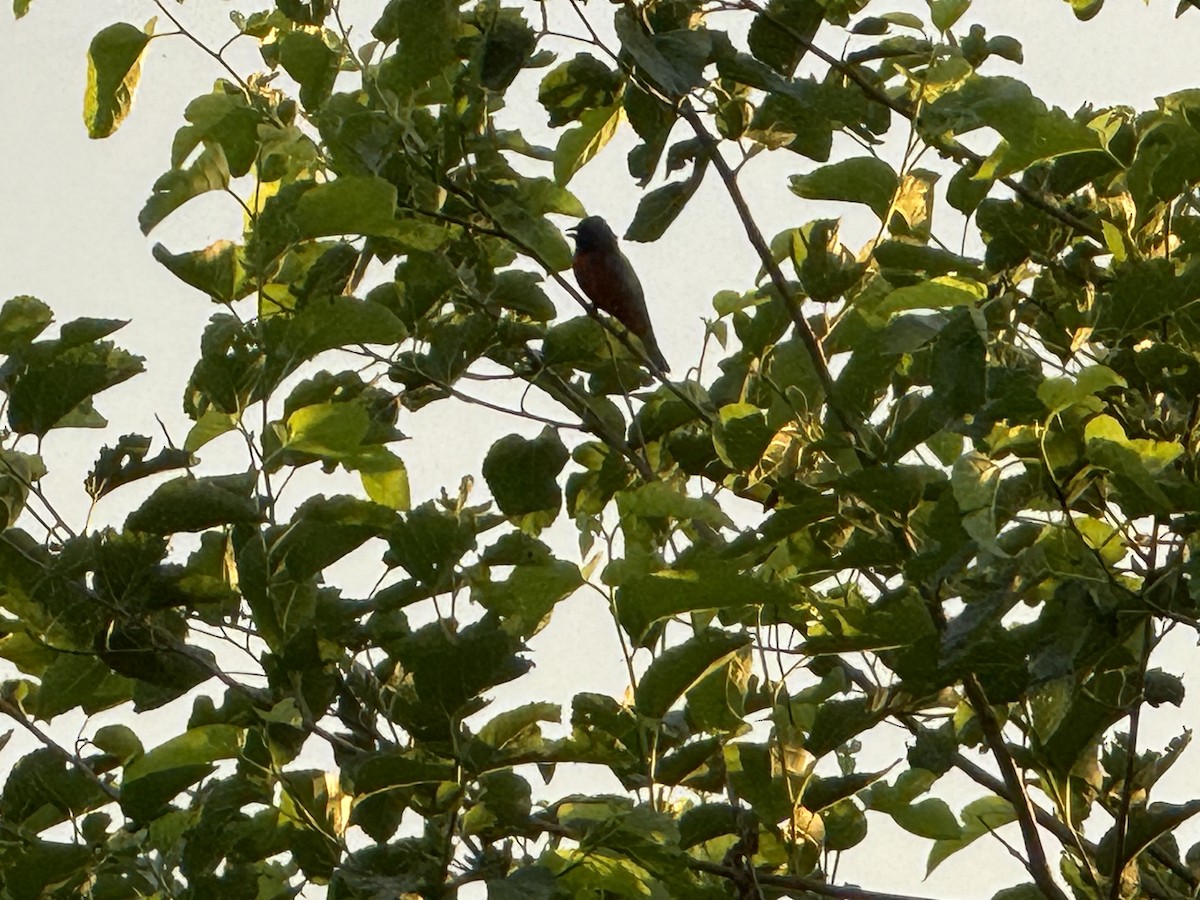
[608,280]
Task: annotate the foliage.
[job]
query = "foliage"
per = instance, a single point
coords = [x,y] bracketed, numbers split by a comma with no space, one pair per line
[976,480]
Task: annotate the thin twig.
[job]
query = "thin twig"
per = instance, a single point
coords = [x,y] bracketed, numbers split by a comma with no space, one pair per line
[16,714]
[203,46]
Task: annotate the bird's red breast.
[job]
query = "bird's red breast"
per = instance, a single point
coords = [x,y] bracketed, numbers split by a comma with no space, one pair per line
[608,280]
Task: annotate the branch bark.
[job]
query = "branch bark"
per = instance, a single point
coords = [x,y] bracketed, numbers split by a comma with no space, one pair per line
[1039,867]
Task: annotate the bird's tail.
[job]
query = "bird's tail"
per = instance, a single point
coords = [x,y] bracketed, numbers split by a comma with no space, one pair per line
[653,352]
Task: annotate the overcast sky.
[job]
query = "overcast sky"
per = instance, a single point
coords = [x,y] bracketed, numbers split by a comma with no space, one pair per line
[69,235]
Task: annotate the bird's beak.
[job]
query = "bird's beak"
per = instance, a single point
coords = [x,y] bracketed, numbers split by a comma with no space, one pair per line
[572,231]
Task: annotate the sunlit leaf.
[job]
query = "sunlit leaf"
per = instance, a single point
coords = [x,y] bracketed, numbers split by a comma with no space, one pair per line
[114,68]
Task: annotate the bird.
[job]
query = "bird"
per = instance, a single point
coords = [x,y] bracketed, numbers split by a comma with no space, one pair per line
[607,278]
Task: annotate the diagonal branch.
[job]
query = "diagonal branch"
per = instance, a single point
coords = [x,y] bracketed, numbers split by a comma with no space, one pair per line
[948,147]
[1039,867]
[1121,826]
[16,714]
[797,883]
[807,336]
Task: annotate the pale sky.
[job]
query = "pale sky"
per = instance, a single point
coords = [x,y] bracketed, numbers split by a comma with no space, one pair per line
[69,236]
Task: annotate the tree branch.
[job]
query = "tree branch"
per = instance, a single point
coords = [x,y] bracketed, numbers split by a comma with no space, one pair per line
[16,714]
[797,883]
[949,147]
[1121,826]
[809,338]
[1039,867]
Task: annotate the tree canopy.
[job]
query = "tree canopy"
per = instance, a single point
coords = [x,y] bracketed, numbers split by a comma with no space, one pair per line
[901,489]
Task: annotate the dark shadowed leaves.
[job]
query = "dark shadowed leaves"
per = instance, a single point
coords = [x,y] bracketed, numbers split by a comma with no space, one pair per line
[194,504]
[523,474]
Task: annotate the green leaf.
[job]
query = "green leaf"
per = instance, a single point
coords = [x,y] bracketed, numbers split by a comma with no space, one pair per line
[195,504]
[509,729]
[716,703]
[384,476]
[352,204]
[931,818]
[79,681]
[577,147]
[209,426]
[756,776]
[944,13]
[43,789]
[225,117]
[334,323]
[674,59]
[591,873]
[958,369]
[20,7]
[1142,294]
[22,319]
[216,270]
[114,68]
[52,385]
[965,192]
[771,33]
[427,544]
[836,722]
[120,741]
[151,780]
[1026,891]
[980,817]
[543,238]
[44,865]
[523,474]
[447,671]
[662,206]
[1146,825]
[312,63]
[741,435]
[210,172]
[508,43]
[660,500]
[127,462]
[937,293]
[1136,467]
[674,671]
[528,883]
[526,598]
[18,473]
[426,30]
[333,430]
[785,120]
[863,179]
[1085,10]
[386,770]
[572,88]
[520,292]
[1031,133]
[645,599]
[652,120]
[323,530]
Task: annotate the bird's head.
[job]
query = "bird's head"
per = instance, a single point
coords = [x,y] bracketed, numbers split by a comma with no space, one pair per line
[592,233]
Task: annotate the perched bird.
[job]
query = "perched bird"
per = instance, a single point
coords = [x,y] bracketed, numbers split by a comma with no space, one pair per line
[608,280]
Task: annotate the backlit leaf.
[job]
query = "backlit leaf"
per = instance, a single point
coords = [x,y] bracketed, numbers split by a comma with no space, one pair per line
[114,68]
